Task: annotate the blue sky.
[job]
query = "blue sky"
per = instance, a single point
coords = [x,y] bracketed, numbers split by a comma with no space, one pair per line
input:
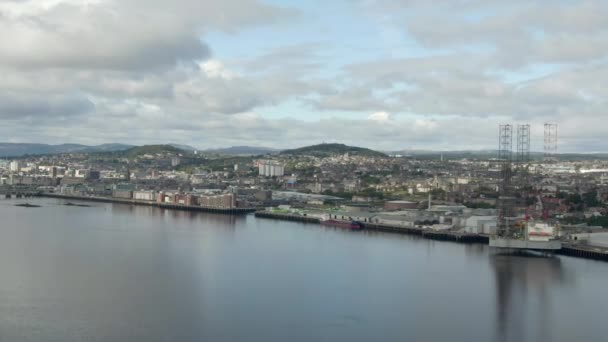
[340,33]
[386,74]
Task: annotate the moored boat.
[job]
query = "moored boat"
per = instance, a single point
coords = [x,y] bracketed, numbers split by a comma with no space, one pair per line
[355,225]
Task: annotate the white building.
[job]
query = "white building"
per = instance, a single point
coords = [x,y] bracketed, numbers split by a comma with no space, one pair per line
[15,166]
[480,224]
[540,231]
[592,239]
[144,195]
[81,173]
[270,168]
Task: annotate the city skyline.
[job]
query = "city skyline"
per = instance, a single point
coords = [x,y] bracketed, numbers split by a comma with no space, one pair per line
[386,74]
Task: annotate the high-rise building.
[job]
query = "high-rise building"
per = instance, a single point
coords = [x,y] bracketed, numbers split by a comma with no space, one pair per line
[270,168]
[15,166]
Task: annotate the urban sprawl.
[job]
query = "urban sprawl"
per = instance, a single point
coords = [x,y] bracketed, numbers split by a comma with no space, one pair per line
[434,192]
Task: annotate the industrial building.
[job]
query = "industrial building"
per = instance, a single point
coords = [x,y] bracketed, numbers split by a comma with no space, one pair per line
[218,201]
[597,239]
[400,205]
[223,201]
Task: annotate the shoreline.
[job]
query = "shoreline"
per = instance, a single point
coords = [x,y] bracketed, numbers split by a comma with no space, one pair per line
[568,249]
[234,211]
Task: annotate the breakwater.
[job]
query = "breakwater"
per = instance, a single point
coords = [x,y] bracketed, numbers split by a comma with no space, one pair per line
[232,211]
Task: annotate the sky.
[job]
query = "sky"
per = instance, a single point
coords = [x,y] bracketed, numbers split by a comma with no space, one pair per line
[384,74]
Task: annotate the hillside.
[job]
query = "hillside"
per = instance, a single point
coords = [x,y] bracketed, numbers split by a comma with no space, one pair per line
[22,149]
[184,147]
[151,149]
[492,154]
[326,150]
[242,150]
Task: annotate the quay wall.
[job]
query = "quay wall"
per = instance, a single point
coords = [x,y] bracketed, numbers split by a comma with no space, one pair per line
[582,251]
[573,250]
[233,211]
[428,234]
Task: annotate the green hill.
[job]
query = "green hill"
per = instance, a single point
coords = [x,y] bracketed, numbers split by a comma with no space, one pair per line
[152,149]
[326,150]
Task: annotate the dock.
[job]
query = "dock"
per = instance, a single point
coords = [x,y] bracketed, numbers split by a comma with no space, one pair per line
[568,249]
[584,251]
[287,217]
[425,233]
[232,211]
[429,234]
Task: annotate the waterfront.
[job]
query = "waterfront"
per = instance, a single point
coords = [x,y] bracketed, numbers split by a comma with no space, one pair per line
[131,273]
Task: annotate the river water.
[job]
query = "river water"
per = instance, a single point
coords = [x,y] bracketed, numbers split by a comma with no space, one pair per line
[113,272]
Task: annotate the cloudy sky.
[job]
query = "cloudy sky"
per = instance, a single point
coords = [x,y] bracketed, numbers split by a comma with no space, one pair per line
[385,74]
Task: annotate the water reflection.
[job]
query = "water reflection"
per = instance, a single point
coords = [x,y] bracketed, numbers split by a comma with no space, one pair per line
[219,219]
[522,285]
[125,273]
[475,250]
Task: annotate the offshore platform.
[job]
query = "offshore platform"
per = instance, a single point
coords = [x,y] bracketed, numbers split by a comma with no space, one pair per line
[517,230]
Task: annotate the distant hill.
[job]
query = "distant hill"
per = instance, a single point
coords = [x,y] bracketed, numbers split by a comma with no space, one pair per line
[326,150]
[430,155]
[21,149]
[184,147]
[491,154]
[242,150]
[151,149]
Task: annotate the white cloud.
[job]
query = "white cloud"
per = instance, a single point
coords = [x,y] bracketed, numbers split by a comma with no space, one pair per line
[380,117]
[427,125]
[123,70]
[214,68]
[119,34]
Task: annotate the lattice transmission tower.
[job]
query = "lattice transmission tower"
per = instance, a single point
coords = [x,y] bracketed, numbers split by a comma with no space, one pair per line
[550,141]
[506,201]
[523,143]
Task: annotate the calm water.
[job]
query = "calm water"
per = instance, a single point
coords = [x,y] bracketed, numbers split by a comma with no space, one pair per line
[122,273]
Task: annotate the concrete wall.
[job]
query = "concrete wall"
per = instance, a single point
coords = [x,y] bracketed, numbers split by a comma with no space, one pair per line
[122,194]
[592,239]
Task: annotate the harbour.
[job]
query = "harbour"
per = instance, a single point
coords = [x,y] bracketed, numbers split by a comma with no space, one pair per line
[174,206]
[123,272]
[570,248]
